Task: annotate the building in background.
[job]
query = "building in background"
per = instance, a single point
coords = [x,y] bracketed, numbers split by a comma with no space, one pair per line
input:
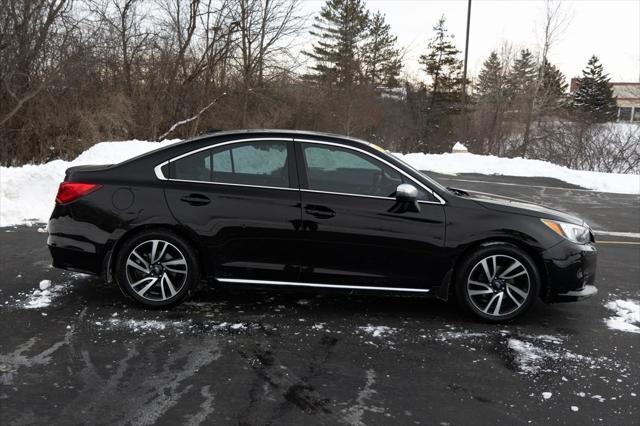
[627,99]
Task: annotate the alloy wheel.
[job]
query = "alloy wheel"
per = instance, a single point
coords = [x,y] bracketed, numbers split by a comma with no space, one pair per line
[156,270]
[498,285]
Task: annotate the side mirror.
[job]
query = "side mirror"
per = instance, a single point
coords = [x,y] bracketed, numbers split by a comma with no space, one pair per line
[406,199]
[406,193]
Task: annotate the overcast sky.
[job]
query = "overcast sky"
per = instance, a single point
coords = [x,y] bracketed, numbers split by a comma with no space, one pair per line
[609,29]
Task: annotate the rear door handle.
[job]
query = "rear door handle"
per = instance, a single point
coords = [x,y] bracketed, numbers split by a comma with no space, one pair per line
[196,199]
[320,212]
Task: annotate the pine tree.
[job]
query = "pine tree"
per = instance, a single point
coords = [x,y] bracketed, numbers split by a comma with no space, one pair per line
[551,94]
[340,29]
[594,95]
[380,58]
[490,83]
[522,79]
[442,65]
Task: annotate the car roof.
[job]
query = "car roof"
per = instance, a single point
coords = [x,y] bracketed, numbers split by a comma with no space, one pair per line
[275,132]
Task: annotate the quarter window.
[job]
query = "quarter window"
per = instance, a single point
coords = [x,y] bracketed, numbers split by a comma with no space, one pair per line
[252,163]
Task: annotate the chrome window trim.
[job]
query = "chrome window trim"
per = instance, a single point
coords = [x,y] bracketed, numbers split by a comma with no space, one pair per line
[316,285]
[158,169]
[411,178]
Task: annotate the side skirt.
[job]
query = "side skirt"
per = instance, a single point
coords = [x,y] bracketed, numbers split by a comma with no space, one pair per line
[314,285]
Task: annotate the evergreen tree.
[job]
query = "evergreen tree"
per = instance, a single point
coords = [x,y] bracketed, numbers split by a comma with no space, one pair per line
[522,78]
[340,29]
[551,94]
[442,65]
[380,58]
[490,83]
[594,95]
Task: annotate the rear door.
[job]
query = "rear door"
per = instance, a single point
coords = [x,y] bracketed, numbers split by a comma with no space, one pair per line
[242,199]
[353,232]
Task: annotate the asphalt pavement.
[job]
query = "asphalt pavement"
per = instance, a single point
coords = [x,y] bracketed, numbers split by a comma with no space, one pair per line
[78,353]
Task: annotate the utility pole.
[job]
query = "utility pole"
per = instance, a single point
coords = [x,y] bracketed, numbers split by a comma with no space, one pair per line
[464,76]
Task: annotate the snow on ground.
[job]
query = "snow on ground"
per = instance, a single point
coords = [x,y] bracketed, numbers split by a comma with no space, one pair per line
[27,193]
[452,164]
[377,331]
[44,295]
[627,315]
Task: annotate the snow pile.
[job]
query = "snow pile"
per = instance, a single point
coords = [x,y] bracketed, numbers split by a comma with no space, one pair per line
[44,295]
[459,148]
[627,315]
[27,193]
[452,164]
[530,359]
[378,331]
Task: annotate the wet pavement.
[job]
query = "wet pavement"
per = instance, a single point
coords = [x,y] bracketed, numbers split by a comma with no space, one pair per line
[77,352]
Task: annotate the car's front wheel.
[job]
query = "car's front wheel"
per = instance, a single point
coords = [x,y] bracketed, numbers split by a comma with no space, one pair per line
[497,282]
[157,268]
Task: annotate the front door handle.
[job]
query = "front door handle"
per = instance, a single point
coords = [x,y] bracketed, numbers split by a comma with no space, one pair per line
[320,212]
[196,199]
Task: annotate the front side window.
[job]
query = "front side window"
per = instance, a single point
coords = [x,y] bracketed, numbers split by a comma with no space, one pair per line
[335,169]
[249,163]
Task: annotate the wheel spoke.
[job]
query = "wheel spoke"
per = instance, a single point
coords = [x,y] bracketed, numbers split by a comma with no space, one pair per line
[158,256]
[486,308]
[148,286]
[172,289]
[479,292]
[138,267]
[174,262]
[175,271]
[517,291]
[515,265]
[478,283]
[518,304]
[485,266]
[496,311]
[141,259]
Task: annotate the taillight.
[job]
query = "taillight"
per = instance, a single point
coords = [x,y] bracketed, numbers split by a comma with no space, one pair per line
[69,191]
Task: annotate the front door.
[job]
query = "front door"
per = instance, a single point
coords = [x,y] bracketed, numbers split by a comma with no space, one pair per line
[242,199]
[353,232]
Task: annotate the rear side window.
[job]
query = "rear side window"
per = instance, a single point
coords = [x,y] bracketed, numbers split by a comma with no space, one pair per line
[251,163]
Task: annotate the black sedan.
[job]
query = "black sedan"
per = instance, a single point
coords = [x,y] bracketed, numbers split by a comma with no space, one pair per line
[289,209]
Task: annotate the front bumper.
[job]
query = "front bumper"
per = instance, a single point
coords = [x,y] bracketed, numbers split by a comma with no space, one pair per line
[575,295]
[570,272]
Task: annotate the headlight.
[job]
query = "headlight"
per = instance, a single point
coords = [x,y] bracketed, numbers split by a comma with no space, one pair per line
[576,233]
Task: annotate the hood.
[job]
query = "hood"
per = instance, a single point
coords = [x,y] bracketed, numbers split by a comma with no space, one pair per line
[512,205]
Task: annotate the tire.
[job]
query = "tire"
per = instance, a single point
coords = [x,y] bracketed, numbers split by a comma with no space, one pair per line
[497,293]
[161,282]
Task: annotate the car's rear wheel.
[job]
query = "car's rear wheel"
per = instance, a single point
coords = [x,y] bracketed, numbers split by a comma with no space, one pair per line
[157,268]
[497,282]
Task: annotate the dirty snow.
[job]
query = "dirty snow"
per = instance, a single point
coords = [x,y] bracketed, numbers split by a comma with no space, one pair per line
[27,193]
[627,315]
[378,331]
[43,296]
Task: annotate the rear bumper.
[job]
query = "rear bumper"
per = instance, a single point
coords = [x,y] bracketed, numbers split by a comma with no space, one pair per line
[571,272]
[73,258]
